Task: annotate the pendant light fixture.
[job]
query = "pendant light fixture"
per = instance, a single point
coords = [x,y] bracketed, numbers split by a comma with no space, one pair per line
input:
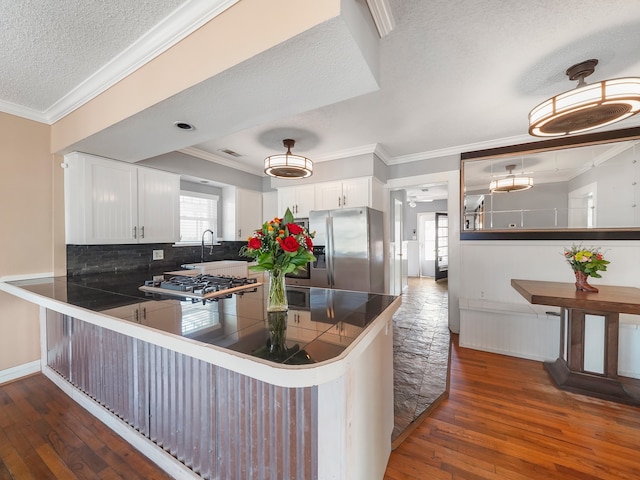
[587,106]
[510,183]
[288,165]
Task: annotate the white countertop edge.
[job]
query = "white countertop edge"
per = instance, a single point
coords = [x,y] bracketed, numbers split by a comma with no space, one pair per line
[293,376]
[25,276]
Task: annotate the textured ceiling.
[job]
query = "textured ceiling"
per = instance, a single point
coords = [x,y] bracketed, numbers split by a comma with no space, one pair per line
[455,75]
[49,47]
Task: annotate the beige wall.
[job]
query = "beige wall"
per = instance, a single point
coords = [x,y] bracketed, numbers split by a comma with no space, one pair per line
[26,241]
[31,185]
[19,332]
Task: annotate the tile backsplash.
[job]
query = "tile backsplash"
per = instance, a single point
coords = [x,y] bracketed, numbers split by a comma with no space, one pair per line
[90,259]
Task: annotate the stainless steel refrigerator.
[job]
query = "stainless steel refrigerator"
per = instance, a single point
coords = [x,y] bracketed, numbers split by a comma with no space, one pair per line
[349,249]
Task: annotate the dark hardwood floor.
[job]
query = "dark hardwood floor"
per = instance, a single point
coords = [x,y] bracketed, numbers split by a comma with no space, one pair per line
[505,420]
[46,435]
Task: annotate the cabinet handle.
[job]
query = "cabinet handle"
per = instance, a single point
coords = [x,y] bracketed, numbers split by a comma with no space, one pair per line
[142,232]
[239,233]
[137,316]
[344,201]
[339,204]
[144,313]
[135,232]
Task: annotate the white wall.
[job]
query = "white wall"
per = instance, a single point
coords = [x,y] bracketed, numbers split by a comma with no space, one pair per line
[494,317]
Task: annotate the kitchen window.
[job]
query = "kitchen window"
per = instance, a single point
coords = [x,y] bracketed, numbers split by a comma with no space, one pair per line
[198,212]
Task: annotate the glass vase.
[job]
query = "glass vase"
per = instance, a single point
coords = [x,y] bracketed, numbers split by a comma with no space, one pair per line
[277,299]
[277,344]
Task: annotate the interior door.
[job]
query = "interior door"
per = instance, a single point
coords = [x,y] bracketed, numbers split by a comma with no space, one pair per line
[397,248]
[442,246]
[427,239]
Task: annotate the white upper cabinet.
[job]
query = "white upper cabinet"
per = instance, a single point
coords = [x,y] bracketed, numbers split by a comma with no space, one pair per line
[241,213]
[158,206]
[356,192]
[300,200]
[111,202]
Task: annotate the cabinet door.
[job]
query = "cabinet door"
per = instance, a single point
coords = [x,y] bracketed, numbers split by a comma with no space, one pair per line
[158,206]
[111,209]
[305,201]
[165,315]
[130,312]
[248,213]
[300,328]
[328,195]
[286,199]
[355,193]
[300,200]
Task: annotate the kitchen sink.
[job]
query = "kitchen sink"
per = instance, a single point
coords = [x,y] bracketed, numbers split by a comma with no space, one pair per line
[233,268]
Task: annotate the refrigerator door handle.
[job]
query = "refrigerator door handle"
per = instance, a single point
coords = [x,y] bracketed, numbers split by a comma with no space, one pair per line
[329,251]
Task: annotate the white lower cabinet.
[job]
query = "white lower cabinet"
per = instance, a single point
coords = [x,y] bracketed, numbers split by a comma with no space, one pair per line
[339,333]
[111,202]
[300,327]
[164,315]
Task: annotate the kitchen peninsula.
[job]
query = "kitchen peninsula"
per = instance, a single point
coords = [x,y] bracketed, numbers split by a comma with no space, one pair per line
[178,380]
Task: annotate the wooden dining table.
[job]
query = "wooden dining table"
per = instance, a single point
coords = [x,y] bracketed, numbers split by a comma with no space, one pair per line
[570,371]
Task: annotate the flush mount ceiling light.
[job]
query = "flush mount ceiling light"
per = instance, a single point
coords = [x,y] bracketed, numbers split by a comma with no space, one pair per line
[511,183]
[287,165]
[587,106]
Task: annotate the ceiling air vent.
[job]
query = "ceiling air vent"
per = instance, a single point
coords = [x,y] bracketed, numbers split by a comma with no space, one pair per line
[230,152]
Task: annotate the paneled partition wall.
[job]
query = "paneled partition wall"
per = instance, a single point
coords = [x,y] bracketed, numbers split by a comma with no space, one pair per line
[220,424]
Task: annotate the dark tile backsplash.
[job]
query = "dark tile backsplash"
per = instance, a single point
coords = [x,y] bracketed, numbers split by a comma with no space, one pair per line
[89,259]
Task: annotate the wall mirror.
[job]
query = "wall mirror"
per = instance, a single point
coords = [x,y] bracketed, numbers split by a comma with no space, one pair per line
[582,187]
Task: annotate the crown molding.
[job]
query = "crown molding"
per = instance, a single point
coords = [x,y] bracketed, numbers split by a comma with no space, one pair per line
[24,112]
[382,154]
[346,153]
[382,17]
[182,22]
[457,150]
[211,157]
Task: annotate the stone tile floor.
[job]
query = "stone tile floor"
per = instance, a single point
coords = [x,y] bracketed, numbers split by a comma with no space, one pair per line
[420,350]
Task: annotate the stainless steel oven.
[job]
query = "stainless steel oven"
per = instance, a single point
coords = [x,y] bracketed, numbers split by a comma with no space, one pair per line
[302,277]
[299,298]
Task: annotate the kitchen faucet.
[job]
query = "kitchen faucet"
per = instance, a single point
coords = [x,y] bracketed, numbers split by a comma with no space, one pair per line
[212,241]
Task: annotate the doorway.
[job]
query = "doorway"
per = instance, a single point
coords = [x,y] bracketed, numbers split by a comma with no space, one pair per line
[398,251]
[442,246]
[433,241]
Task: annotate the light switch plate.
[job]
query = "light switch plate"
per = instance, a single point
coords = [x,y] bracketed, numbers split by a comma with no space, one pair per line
[158,254]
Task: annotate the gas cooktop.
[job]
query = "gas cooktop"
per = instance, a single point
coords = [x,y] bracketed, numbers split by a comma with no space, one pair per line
[200,287]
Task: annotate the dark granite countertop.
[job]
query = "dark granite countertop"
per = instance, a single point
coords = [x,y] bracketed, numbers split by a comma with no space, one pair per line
[321,323]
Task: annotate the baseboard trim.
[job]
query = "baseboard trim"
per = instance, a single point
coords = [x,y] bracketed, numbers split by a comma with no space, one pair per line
[153,452]
[13,373]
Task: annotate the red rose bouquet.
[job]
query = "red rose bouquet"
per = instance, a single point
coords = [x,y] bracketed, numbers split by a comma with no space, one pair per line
[280,245]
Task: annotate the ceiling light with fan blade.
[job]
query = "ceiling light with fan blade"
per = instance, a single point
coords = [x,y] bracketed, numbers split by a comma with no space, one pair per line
[511,182]
[587,106]
[288,165]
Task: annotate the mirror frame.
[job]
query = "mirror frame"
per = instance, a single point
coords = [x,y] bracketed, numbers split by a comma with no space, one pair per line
[560,143]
